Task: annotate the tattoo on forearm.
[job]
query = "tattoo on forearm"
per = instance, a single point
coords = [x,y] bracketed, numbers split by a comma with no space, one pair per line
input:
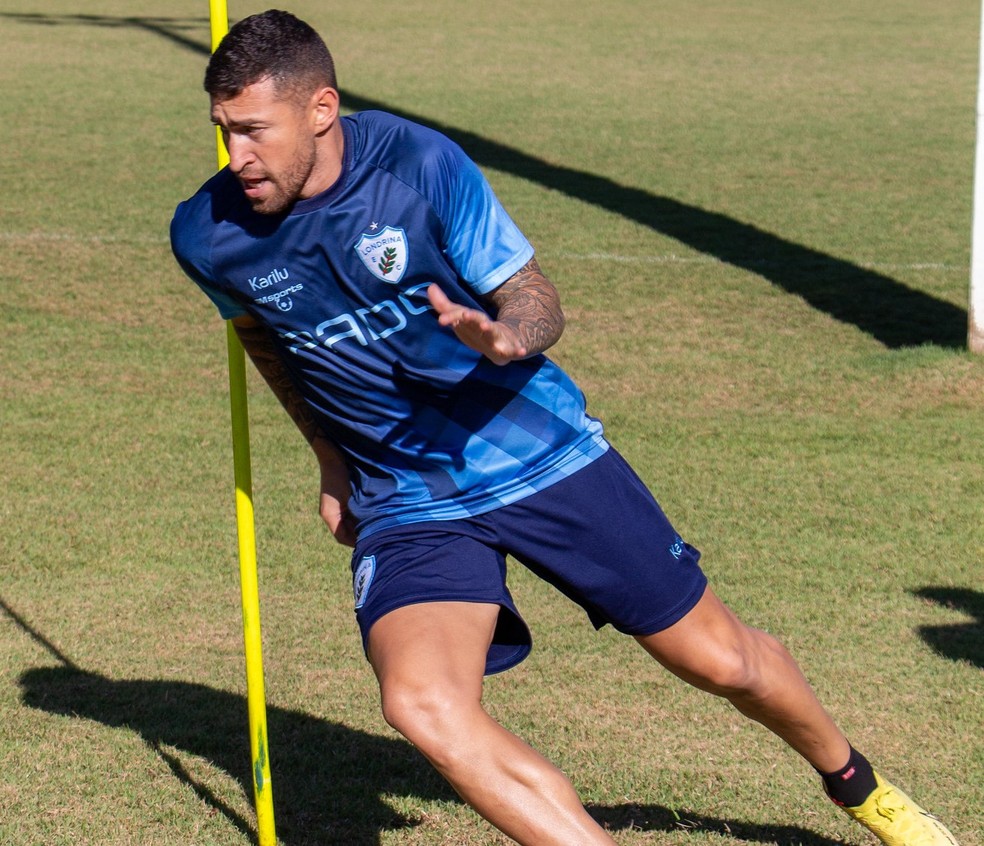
[528,302]
[259,345]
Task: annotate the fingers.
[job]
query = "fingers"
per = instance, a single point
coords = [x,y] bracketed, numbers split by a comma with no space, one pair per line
[476,329]
[438,299]
[345,533]
[457,316]
[450,312]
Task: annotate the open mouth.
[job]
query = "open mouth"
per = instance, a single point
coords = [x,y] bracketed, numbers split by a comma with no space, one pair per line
[253,187]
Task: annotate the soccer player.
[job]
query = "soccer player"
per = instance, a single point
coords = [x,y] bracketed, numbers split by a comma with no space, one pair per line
[401,318]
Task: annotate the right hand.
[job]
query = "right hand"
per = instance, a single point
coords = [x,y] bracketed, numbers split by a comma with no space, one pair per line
[338,519]
[494,339]
[335,491]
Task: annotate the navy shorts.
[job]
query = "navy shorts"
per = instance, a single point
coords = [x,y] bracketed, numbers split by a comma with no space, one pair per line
[598,536]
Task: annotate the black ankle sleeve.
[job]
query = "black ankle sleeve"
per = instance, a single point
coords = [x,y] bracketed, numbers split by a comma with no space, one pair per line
[851,784]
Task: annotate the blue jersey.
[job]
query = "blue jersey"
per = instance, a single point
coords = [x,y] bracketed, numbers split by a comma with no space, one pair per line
[430,429]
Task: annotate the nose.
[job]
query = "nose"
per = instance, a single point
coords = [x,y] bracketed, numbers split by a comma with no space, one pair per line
[240,152]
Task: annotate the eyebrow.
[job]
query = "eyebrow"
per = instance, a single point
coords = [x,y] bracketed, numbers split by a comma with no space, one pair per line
[233,124]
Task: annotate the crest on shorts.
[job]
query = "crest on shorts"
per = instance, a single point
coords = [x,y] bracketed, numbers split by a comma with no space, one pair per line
[384,253]
[363,578]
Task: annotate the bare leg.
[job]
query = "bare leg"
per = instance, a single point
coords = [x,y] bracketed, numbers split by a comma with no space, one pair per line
[430,660]
[713,650]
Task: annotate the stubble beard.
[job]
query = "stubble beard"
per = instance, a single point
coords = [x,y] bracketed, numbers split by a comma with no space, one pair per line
[286,187]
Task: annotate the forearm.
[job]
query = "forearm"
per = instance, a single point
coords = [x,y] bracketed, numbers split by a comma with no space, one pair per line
[335,489]
[529,305]
[259,346]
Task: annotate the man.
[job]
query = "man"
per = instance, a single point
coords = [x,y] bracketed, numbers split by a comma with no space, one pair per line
[401,318]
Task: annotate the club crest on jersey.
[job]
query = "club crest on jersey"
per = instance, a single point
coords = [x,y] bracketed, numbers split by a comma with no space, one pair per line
[384,253]
[363,578]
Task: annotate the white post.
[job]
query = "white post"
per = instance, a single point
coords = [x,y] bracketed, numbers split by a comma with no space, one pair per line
[975,323]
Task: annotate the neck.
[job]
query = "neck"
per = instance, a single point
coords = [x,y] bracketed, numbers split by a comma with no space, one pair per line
[328,166]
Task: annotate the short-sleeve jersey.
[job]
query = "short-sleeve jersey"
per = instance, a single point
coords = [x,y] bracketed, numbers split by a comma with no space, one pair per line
[430,429]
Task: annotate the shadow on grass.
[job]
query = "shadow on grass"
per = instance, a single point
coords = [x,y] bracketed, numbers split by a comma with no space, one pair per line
[328,780]
[657,818]
[884,308]
[888,310]
[957,641]
[170,28]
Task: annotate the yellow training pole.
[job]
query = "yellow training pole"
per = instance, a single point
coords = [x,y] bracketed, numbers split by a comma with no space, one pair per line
[256,698]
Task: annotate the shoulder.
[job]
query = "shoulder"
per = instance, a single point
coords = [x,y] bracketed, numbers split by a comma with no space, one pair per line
[219,197]
[409,150]
[195,218]
[374,127]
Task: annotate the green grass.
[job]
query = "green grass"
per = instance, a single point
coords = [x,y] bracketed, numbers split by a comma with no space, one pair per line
[759,219]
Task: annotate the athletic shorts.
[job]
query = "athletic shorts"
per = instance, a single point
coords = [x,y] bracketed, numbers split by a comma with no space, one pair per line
[598,536]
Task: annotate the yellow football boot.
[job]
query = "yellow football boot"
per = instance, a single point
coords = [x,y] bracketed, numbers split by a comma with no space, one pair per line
[898,821]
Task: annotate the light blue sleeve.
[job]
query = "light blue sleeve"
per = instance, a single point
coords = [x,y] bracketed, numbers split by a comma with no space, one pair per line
[482,241]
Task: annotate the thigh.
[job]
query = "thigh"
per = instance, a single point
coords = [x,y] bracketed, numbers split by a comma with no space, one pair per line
[433,645]
[428,564]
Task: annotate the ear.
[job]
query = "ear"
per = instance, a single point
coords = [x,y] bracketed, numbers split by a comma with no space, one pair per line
[324,109]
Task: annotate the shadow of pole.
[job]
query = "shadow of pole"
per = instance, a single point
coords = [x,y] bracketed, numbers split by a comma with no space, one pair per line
[330,781]
[884,308]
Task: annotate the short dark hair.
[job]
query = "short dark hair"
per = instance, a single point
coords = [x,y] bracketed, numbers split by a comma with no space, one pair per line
[271,45]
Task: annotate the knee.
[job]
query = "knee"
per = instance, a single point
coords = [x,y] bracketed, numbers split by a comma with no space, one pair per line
[740,668]
[427,716]
[413,710]
[713,650]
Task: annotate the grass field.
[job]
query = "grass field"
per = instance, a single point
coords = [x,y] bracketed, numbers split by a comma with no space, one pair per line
[758,215]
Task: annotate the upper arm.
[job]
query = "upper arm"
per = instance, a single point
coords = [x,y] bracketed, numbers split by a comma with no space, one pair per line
[481,240]
[192,247]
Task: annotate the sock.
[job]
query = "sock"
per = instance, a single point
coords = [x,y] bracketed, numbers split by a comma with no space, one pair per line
[851,784]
